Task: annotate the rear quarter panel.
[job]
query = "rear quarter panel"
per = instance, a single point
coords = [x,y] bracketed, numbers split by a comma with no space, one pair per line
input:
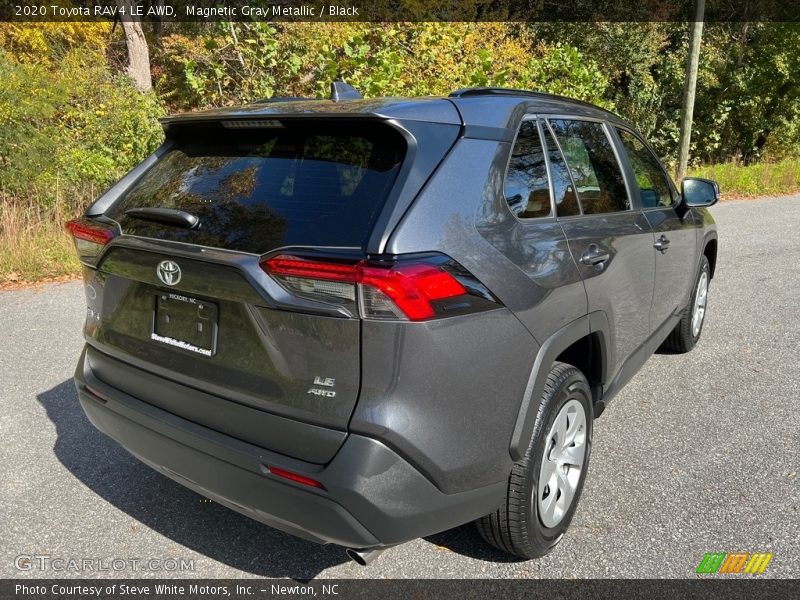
[447,394]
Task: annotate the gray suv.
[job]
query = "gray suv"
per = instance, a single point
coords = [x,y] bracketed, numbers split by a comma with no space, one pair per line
[362,321]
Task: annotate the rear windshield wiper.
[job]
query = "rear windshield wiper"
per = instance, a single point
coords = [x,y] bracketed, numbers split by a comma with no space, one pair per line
[168,216]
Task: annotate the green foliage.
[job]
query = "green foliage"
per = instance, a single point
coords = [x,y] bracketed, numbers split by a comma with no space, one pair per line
[47,43]
[28,98]
[108,126]
[69,127]
[748,93]
[566,71]
[231,62]
[74,130]
[644,65]
[240,62]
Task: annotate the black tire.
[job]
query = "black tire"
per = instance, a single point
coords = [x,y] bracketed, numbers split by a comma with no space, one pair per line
[682,338]
[516,527]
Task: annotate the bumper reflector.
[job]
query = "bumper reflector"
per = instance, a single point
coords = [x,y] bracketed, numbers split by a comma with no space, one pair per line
[302,479]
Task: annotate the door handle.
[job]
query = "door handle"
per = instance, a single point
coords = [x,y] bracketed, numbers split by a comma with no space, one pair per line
[662,244]
[594,256]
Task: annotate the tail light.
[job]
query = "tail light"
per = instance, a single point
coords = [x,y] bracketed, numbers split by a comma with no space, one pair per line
[405,291]
[330,282]
[90,237]
[413,290]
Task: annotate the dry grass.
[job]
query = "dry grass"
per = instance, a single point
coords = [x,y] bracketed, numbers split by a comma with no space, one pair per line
[33,243]
[762,179]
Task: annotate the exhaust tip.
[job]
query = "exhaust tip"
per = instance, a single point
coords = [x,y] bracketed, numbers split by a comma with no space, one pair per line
[363,557]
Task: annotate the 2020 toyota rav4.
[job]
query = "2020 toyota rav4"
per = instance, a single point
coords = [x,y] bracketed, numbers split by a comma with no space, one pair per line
[366,321]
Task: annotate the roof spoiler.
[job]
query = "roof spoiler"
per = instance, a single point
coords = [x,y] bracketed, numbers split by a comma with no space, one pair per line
[281,99]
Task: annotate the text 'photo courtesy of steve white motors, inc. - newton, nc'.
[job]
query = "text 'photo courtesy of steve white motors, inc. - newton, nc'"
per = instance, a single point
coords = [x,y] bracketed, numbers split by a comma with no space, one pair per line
[188,10]
[161,589]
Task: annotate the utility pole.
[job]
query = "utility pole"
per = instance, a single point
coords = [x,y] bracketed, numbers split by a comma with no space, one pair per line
[690,84]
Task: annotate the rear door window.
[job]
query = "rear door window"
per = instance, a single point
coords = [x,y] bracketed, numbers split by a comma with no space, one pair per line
[593,166]
[311,183]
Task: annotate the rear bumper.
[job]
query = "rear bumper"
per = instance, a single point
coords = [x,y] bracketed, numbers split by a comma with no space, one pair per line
[372,497]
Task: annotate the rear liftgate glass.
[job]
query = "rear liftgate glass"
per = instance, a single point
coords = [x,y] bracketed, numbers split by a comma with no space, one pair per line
[203,333]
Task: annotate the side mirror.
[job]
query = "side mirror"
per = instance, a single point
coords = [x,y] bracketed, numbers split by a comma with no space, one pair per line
[649,198]
[698,192]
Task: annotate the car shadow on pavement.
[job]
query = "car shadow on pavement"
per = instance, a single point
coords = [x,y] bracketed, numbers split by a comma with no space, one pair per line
[466,540]
[172,510]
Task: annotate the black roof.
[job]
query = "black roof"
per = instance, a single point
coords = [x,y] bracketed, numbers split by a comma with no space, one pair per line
[488,107]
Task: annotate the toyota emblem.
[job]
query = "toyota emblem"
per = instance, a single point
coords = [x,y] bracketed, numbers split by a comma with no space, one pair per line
[168,272]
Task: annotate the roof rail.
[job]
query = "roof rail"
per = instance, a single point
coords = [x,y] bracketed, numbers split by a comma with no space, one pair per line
[496,91]
[490,91]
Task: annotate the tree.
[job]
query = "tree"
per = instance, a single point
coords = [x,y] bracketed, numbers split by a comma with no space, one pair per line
[138,68]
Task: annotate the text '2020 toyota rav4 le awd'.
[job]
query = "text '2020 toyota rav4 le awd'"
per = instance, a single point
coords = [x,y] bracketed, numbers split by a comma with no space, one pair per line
[365,321]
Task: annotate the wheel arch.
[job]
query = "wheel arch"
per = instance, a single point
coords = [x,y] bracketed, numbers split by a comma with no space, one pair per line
[710,252]
[584,343]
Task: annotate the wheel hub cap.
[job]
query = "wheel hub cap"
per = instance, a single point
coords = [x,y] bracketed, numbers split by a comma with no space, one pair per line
[562,463]
[699,309]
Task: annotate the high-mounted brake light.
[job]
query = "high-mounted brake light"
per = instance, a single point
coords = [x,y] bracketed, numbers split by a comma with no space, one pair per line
[402,290]
[252,124]
[90,238]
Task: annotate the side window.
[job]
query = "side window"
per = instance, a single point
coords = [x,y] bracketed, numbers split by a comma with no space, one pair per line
[526,187]
[594,168]
[566,200]
[650,177]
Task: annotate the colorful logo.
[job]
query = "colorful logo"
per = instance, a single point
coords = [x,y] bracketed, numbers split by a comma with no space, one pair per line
[737,562]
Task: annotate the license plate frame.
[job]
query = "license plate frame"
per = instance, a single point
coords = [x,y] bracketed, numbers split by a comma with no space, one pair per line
[185,322]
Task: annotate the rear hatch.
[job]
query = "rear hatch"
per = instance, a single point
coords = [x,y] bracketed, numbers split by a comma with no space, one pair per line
[181,311]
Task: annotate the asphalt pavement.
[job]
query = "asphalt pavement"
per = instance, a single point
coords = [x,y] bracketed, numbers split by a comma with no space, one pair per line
[699,453]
